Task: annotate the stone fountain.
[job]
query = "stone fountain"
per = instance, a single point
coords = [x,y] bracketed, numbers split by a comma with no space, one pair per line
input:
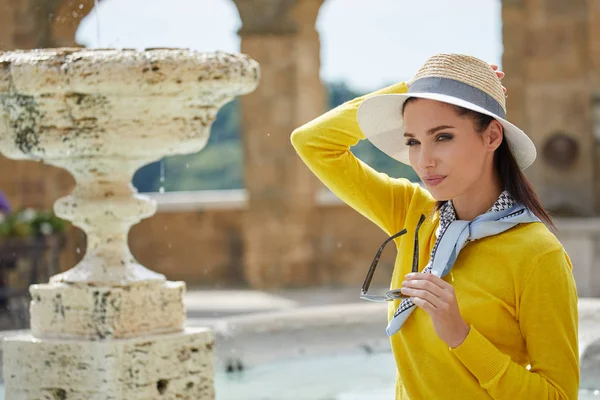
[109,328]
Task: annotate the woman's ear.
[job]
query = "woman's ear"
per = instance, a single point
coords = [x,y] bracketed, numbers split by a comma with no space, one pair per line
[493,135]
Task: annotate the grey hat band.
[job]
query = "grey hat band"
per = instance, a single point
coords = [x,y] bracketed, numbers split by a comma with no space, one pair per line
[451,87]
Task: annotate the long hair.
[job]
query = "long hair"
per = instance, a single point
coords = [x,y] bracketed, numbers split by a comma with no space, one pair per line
[511,176]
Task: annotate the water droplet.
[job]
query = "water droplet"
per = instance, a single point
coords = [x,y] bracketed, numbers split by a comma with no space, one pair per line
[162,189]
[74,14]
[162,170]
[268,134]
[78,250]
[81,6]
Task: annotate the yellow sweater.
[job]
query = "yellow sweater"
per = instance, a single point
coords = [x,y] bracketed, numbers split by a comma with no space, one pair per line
[516,289]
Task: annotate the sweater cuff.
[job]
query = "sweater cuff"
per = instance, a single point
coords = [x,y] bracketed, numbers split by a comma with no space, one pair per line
[481,357]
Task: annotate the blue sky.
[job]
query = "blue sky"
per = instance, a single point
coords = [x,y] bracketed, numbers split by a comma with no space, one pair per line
[367,43]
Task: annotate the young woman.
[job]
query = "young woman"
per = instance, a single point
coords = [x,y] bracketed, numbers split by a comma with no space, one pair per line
[493,312]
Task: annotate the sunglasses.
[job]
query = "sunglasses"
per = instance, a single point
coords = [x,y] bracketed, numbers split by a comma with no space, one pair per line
[393,294]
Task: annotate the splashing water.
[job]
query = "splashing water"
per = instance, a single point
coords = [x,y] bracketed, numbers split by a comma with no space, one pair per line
[162,176]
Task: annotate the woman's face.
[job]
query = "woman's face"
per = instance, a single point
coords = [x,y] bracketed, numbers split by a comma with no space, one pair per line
[445,149]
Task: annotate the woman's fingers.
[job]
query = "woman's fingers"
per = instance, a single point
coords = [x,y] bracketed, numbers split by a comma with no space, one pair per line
[419,276]
[427,287]
[499,73]
[423,304]
[422,294]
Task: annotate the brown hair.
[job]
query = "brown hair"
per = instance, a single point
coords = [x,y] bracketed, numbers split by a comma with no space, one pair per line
[511,176]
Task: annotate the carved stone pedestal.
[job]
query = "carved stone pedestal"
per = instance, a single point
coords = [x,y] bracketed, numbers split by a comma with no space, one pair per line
[170,366]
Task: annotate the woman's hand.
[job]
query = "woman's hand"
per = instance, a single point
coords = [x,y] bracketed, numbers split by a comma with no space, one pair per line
[500,74]
[436,297]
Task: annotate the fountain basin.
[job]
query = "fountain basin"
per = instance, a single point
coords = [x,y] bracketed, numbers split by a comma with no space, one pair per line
[101,115]
[64,103]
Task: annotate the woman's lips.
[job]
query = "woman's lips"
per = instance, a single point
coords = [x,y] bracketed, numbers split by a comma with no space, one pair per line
[433,180]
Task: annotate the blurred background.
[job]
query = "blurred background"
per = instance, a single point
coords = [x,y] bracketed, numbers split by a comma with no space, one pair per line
[245,213]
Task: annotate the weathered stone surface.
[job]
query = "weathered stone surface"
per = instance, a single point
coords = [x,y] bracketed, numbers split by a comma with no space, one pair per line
[563,109]
[562,9]
[102,115]
[74,310]
[170,366]
[557,52]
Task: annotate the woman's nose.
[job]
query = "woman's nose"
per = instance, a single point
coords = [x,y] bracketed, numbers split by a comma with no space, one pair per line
[426,157]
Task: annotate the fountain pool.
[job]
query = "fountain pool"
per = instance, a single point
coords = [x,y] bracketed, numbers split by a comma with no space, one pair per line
[351,376]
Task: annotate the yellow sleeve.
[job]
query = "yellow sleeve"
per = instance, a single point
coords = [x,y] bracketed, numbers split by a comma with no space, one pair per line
[324,146]
[549,323]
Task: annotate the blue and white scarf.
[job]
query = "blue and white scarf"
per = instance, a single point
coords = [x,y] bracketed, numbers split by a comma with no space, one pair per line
[453,235]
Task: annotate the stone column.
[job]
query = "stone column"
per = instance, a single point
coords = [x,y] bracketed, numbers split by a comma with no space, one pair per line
[546,59]
[281,36]
[594,52]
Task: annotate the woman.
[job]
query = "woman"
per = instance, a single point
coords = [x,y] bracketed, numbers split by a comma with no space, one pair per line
[493,313]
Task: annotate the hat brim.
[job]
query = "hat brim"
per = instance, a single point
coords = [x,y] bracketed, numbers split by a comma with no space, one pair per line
[380,119]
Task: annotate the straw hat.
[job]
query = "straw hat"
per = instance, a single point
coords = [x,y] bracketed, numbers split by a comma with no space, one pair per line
[456,79]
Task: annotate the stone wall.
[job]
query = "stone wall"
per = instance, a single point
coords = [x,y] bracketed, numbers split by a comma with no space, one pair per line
[199,239]
[552,61]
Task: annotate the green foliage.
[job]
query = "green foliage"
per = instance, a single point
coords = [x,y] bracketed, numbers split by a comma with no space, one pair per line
[217,167]
[30,222]
[220,164]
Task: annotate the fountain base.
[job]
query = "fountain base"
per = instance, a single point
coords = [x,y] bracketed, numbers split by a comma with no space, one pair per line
[169,366]
[67,310]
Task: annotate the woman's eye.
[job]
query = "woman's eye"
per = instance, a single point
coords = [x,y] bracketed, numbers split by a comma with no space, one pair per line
[444,136]
[411,142]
